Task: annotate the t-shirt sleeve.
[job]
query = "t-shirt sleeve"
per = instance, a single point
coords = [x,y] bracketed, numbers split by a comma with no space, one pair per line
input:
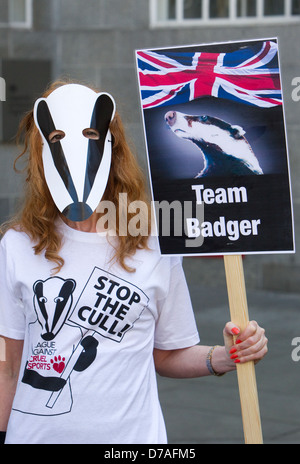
[12,318]
[176,326]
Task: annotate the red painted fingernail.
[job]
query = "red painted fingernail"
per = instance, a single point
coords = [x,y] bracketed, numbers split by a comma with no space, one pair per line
[233,350]
[238,342]
[237,361]
[235,331]
[234,356]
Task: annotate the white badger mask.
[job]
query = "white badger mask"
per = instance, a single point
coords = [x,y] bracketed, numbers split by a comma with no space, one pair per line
[77,147]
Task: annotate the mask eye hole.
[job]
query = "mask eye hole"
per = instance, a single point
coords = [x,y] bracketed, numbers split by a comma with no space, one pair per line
[91,134]
[56,136]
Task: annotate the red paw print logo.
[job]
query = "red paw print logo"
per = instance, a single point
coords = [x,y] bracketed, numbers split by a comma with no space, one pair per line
[58,364]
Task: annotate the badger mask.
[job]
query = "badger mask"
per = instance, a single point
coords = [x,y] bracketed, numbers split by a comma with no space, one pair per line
[77,147]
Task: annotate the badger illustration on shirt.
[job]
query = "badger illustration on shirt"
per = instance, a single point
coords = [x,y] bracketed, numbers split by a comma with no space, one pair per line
[54,339]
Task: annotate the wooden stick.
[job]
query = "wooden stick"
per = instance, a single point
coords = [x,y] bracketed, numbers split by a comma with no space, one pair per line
[245,372]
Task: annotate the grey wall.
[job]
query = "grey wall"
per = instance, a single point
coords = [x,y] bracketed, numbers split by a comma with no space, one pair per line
[95,40]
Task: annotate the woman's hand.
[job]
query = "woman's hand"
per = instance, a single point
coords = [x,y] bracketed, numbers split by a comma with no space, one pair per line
[251,344]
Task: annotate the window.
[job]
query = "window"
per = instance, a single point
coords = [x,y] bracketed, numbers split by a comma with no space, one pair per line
[166,10]
[15,13]
[219,9]
[246,8]
[170,12]
[192,9]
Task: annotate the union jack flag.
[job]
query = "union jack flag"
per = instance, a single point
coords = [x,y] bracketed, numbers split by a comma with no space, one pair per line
[249,75]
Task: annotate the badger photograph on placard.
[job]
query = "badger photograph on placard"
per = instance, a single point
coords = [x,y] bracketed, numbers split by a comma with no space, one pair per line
[224,147]
[214,122]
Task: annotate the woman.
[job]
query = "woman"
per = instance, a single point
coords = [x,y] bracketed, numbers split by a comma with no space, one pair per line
[89,316]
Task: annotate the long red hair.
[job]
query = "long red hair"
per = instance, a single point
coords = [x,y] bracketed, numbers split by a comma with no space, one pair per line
[38,214]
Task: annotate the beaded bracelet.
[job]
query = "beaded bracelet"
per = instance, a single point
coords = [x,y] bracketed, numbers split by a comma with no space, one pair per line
[209,364]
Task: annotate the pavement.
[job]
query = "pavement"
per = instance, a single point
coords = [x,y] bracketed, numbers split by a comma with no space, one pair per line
[207,410]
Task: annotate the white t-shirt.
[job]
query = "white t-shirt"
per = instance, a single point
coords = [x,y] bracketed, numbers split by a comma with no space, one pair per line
[87,373]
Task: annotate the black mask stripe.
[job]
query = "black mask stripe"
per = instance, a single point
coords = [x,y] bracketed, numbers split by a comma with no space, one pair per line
[100,121]
[38,290]
[47,126]
[65,293]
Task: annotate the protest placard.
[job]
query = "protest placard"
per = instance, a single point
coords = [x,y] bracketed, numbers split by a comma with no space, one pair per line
[218,162]
[108,305]
[217,150]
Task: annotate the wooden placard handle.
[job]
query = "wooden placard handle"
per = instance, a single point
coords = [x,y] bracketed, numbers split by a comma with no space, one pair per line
[245,372]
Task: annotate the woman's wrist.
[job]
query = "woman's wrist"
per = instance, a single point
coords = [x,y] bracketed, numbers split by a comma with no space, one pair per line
[220,361]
